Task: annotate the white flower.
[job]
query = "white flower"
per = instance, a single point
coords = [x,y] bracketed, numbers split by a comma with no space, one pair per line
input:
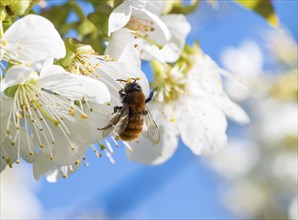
[283,46]
[191,104]
[85,61]
[135,17]
[278,121]
[137,25]
[256,198]
[52,170]
[246,62]
[239,152]
[46,111]
[29,40]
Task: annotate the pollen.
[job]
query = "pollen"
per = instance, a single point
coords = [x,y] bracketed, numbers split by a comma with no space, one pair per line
[65,176]
[102,147]
[71,111]
[19,116]
[83,116]
[3,42]
[8,161]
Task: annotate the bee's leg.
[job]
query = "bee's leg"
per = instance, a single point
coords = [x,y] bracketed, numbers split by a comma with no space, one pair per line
[121,93]
[144,112]
[117,108]
[150,95]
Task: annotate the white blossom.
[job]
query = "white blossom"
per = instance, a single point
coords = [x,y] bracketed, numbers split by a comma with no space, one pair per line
[45,111]
[140,26]
[31,40]
[191,104]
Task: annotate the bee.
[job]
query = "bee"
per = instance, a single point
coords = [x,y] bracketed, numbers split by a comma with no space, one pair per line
[133,116]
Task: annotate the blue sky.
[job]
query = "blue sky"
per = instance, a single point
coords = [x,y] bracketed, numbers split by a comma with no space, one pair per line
[183,187]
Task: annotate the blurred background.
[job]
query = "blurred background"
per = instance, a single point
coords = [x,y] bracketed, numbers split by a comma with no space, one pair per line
[254,177]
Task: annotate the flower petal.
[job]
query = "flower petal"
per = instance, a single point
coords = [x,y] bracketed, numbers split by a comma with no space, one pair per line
[156,7]
[208,127]
[232,110]
[121,48]
[52,171]
[34,38]
[171,51]
[121,15]
[161,34]
[8,152]
[17,75]
[56,79]
[148,153]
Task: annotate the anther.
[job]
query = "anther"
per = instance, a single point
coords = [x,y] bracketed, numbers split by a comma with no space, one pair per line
[83,116]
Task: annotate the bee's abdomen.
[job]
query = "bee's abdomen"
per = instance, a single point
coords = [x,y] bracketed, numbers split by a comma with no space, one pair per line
[134,127]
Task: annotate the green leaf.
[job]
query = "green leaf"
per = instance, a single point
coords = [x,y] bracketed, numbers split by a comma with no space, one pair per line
[100,18]
[263,8]
[95,41]
[180,8]
[58,15]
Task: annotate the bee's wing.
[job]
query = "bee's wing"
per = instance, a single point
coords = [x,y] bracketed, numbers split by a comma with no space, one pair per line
[118,123]
[151,131]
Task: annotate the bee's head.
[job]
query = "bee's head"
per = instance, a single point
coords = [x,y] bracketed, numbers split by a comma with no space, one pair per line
[132,87]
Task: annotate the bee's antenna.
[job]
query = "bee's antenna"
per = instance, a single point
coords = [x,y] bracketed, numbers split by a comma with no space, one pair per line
[135,79]
[121,80]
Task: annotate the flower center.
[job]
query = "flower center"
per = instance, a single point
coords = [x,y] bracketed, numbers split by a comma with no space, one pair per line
[142,28]
[34,111]
[85,61]
[141,25]
[172,84]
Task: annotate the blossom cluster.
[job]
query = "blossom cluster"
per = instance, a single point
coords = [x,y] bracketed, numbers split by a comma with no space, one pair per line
[267,156]
[57,94]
